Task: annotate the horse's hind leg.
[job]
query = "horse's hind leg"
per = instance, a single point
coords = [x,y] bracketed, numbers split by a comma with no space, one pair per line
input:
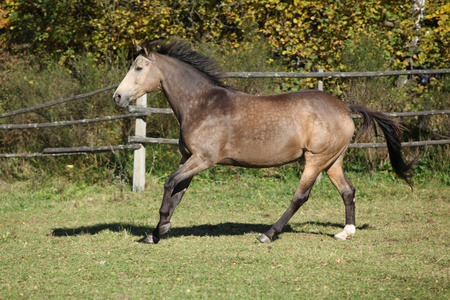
[347,191]
[301,196]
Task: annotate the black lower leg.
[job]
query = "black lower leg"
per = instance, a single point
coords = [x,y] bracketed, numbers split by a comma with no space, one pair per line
[166,212]
[167,209]
[296,203]
[349,201]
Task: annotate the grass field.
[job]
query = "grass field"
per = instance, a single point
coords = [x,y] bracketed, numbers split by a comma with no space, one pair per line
[63,240]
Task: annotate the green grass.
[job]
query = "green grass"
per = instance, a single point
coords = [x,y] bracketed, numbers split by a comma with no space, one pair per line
[61,239]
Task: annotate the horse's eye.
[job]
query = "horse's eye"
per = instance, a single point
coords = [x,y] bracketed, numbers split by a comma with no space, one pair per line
[138,68]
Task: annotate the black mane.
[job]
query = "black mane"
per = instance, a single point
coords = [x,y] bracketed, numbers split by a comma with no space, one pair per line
[183,51]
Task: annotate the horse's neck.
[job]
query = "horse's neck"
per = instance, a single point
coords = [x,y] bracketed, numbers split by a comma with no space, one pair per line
[184,88]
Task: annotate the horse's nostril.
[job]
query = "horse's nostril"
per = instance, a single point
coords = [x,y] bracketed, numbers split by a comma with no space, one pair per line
[117,97]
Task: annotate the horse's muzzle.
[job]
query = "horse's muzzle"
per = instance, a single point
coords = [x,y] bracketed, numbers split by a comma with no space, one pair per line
[120,101]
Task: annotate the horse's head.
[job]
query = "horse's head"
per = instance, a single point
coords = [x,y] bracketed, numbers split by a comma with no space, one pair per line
[143,77]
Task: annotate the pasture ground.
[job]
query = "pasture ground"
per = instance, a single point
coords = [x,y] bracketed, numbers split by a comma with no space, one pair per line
[64,240]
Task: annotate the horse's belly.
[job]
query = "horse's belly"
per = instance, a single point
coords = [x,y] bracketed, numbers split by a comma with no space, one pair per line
[260,154]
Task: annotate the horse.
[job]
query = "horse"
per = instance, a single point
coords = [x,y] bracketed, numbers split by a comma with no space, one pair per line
[221,125]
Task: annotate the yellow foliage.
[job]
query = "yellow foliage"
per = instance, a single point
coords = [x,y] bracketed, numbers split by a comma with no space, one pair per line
[311,32]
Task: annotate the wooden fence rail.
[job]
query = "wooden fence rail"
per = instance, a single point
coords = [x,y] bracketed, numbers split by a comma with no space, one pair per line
[67,123]
[331,74]
[72,151]
[144,140]
[167,111]
[140,111]
[48,104]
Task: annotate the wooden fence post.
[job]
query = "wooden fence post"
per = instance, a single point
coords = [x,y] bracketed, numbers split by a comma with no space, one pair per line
[139,155]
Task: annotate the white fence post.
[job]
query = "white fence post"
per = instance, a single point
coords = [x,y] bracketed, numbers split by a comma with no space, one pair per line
[139,155]
[320,85]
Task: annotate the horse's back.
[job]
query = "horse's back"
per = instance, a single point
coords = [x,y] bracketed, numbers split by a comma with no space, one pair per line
[320,101]
[324,119]
[312,110]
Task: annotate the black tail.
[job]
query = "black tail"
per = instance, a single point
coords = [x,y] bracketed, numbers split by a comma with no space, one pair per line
[392,133]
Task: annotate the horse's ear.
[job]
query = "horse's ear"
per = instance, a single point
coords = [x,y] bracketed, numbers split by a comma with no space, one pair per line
[142,49]
[138,47]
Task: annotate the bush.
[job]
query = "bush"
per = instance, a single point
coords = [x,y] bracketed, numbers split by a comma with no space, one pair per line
[308,34]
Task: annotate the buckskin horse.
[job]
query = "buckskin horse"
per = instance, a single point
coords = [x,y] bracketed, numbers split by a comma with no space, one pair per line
[221,125]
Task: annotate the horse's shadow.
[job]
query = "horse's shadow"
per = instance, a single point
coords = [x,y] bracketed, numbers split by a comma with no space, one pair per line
[220,229]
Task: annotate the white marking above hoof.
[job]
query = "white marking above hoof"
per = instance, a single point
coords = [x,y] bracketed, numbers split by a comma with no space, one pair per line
[347,233]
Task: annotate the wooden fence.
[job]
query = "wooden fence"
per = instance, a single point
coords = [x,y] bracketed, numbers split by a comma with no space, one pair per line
[141,111]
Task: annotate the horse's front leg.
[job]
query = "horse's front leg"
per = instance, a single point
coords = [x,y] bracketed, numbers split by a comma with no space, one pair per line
[174,189]
[166,210]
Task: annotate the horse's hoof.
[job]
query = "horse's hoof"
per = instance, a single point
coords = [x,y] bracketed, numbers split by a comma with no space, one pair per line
[165,228]
[347,233]
[340,236]
[150,239]
[264,238]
